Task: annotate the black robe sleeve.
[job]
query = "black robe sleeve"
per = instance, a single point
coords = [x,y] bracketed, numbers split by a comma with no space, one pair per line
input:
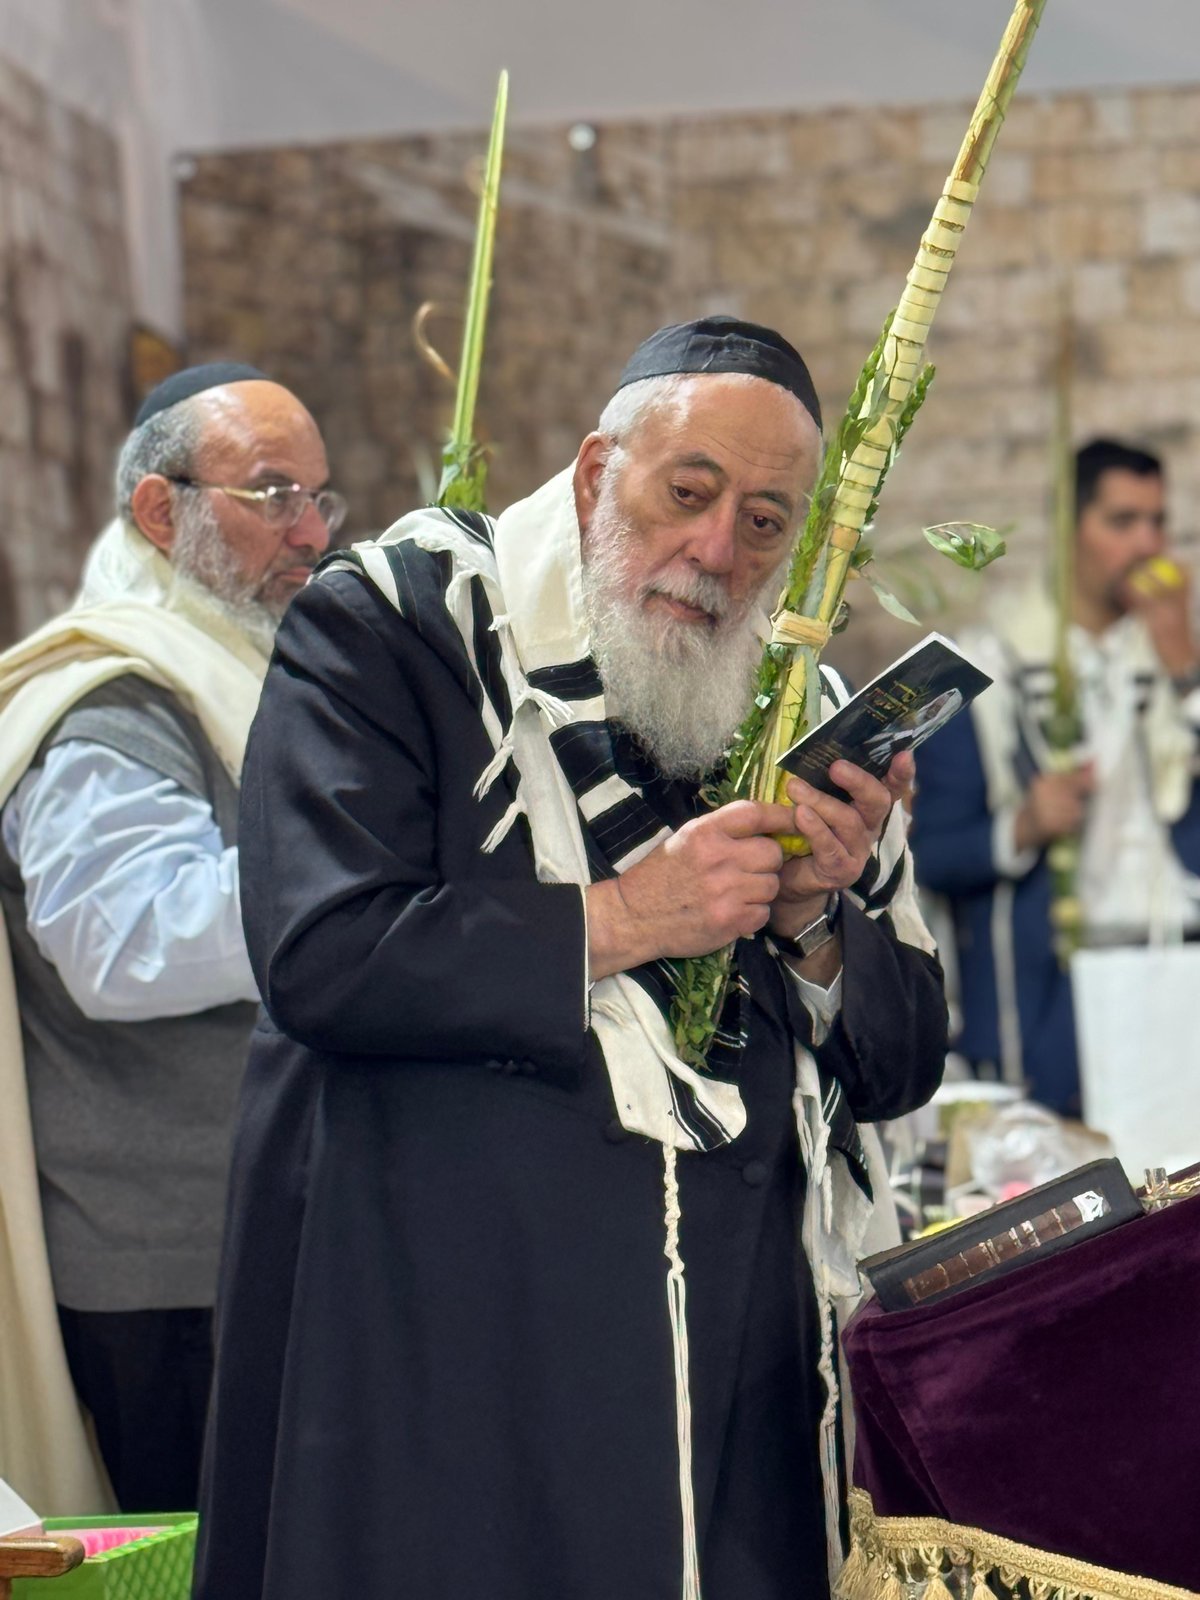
[374,922]
[887,1046]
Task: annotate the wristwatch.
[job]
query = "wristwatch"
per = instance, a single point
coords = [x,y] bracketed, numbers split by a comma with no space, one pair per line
[817,935]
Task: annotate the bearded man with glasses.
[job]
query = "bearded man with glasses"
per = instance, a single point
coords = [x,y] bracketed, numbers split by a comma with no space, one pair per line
[122,729]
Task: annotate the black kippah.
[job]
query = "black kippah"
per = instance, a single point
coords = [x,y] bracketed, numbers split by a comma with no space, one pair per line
[724,344]
[193,380]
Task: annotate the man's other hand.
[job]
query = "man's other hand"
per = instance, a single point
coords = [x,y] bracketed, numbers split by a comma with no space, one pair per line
[713,881]
[842,835]
[1161,595]
[1054,807]
[723,876]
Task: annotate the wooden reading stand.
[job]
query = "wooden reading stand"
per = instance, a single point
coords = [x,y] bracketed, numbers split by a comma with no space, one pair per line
[36,1558]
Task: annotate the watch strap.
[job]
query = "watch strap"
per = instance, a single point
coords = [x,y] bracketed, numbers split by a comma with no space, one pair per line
[816,936]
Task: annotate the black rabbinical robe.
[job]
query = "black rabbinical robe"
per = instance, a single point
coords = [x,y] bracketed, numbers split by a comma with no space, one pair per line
[444,1358]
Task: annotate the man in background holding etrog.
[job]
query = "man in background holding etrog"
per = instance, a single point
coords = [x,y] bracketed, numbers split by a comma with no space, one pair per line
[991,799]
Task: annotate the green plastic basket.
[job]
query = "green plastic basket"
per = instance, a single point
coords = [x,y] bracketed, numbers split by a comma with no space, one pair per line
[158,1567]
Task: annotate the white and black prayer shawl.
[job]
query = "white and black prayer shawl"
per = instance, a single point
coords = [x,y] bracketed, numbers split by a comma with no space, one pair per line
[513,591]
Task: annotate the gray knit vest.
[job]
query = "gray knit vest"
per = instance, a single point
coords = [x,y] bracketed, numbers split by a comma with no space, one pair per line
[131,1120]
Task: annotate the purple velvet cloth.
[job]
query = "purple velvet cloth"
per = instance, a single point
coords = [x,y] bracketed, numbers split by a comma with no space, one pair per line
[1059,1406]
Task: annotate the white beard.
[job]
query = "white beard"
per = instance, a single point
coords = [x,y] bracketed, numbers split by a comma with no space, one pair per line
[681,688]
[201,563]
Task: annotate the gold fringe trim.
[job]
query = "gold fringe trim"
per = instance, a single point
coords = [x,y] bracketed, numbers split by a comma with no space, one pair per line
[892,1558]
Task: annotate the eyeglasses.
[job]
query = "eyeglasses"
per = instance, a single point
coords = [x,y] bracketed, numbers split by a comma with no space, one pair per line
[281,505]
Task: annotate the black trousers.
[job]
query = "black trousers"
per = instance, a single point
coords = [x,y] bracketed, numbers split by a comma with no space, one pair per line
[145,1377]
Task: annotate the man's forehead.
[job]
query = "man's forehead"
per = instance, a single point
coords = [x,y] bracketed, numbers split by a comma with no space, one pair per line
[775,478]
[734,427]
[255,460]
[256,418]
[1118,489]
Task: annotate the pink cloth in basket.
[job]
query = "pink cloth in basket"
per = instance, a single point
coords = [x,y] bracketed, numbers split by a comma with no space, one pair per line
[96,1541]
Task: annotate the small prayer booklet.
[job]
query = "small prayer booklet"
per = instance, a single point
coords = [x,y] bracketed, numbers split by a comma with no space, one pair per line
[911,699]
[1031,1227]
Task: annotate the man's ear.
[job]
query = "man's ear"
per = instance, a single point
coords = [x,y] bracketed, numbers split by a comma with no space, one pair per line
[151,506]
[589,469]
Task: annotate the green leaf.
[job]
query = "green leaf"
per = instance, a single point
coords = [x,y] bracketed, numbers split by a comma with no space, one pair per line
[464,479]
[969,544]
[887,599]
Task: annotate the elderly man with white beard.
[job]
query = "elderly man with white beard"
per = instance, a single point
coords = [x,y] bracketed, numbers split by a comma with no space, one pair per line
[515,1302]
[122,730]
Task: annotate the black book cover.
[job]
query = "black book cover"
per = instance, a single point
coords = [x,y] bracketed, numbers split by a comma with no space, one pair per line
[908,701]
[1034,1225]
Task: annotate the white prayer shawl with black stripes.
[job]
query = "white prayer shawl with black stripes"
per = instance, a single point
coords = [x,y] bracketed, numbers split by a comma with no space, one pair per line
[1017,652]
[586,822]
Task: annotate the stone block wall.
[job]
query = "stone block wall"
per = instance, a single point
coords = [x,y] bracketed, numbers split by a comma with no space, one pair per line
[64,332]
[1096,196]
[313,261]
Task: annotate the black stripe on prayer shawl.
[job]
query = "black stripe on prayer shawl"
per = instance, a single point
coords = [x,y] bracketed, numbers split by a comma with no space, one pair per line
[577,680]
[867,877]
[480,527]
[624,826]
[887,893]
[584,751]
[705,1131]
[487,653]
[599,866]
[843,1130]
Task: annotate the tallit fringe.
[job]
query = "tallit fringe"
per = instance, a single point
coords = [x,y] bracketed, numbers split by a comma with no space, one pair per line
[820,1180]
[677,1303]
[500,759]
[557,712]
[500,832]
[830,1466]
[521,693]
[926,1558]
[831,1475]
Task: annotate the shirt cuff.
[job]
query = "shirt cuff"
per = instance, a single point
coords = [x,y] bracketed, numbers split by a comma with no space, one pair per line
[821,1004]
[1007,859]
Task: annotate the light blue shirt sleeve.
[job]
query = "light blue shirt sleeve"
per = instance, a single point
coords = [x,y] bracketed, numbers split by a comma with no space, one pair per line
[129,890]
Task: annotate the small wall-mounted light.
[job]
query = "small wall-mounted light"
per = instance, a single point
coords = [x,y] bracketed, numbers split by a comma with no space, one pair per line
[582,137]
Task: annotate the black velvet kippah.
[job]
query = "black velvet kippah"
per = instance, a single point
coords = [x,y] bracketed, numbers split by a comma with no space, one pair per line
[724,344]
[193,380]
